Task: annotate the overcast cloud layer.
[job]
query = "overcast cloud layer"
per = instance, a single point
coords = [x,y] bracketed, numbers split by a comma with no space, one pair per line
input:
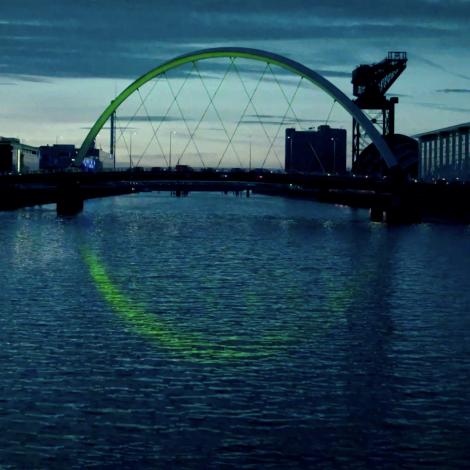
[62,61]
[120,38]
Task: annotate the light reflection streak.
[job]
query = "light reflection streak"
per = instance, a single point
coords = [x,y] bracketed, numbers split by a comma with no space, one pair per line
[188,345]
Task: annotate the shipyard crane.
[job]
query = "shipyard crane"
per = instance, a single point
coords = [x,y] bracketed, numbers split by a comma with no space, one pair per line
[370,84]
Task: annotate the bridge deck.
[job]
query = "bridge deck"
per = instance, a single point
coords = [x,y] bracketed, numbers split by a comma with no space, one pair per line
[442,200]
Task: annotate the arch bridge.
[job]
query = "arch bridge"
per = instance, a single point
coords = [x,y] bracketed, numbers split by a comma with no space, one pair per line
[269,58]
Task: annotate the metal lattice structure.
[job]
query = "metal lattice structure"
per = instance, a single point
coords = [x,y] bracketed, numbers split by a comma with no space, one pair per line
[370,84]
[233,53]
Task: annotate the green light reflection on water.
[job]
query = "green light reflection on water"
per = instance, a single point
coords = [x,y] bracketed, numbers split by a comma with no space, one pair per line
[188,345]
[194,346]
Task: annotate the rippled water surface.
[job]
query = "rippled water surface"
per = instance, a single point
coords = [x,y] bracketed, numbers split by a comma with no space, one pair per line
[215,331]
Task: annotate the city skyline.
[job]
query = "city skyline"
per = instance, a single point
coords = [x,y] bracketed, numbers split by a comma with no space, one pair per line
[62,64]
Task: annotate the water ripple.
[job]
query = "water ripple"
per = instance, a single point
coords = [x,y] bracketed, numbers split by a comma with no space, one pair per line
[212,332]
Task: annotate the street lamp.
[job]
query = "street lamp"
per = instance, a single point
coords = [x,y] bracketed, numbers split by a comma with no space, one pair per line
[130,149]
[289,157]
[249,167]
[334,154]
[171,134]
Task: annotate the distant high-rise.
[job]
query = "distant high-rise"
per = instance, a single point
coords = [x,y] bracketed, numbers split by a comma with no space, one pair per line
[320,151]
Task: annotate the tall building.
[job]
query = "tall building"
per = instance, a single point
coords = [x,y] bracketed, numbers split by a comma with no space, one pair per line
[445,153]
[320,151]
[16,157]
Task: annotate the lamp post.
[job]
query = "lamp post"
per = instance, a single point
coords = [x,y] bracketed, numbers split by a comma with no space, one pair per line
[288,164]
[249,167]
[334,154]
[171,134]
[180,156]
[130,150]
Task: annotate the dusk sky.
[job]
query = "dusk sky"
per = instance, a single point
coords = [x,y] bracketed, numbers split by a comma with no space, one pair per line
[62,62]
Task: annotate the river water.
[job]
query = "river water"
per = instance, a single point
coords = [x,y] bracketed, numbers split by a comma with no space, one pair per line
[217,331]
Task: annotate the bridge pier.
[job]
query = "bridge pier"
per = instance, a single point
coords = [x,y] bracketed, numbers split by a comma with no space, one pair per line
[376,214]
[69,198]
[403,209]
[402,215]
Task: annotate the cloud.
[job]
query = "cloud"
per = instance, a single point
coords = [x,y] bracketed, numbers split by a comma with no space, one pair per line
[334,73]
[398,95]
[279,117]
[278,120]
[444,107]
[371,9]
[27,78]
[123,39]
[454,90]
[434,65]
[154,118]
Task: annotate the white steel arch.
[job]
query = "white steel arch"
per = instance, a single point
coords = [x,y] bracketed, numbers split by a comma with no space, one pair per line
[253,54]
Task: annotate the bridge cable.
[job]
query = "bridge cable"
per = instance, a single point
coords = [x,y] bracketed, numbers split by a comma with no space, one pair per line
[270,140]
[331,110]
[254,107]
[283,120]
[184,119]
[170,106]
[208,105]
[167,112]
[211,102]
[154,136]
[286,98]
[129,122]
[250,98]
[258,116]
[315,154]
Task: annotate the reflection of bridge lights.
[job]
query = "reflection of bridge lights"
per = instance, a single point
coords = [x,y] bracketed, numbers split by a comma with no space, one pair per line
[197,348]
[191,346]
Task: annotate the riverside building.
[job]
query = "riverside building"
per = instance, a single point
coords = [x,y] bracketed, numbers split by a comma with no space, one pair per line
[16,157]
[316,151]
[445,153]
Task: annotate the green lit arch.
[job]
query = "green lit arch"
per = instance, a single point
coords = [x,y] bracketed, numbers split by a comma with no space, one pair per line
[253,54]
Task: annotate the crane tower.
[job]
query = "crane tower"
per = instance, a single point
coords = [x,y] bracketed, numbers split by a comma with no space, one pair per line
[370,84]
